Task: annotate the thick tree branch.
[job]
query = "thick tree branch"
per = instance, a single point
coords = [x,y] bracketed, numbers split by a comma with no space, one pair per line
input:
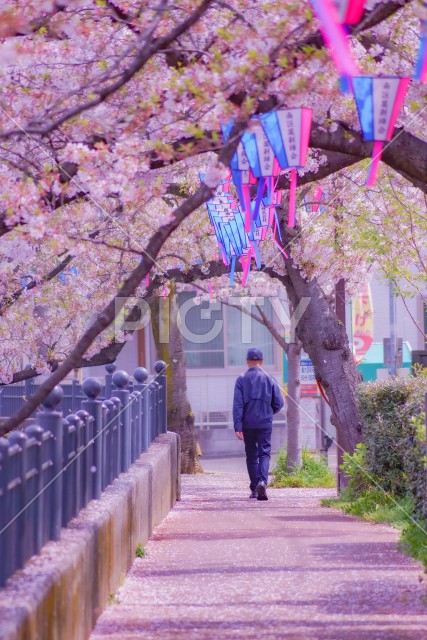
[405,153]
[9,300]
[148,47]
[107,315]
[370,19]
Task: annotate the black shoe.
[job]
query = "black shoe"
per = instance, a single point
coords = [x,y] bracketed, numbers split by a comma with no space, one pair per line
[253,494]
[261,490]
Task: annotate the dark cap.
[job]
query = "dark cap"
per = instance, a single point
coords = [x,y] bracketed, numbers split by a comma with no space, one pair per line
[254,355]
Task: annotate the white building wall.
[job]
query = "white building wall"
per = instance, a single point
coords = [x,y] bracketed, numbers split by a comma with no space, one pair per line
[406,327]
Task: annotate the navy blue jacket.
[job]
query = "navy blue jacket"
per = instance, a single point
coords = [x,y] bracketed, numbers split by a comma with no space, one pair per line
[256,398]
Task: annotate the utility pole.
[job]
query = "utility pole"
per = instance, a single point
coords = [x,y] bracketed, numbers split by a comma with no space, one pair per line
[340,313]
[393,338]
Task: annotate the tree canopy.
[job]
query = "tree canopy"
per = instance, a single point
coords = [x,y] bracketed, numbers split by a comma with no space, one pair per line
[109,110]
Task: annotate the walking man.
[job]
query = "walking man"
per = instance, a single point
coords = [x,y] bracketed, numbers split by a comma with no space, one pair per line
[256,398]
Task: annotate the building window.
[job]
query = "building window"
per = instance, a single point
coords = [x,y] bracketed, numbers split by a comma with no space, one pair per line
[201,354]
[244,332]
[220,337]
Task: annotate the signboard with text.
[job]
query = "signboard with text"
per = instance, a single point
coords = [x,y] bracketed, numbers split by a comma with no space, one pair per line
[307,377]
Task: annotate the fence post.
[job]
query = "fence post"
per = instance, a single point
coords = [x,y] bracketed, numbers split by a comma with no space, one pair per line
[52,420]
[69,474]
[132,425]
[12,503]
[86,442]
[154,409]
[110,369]
[120,381]
[4,532]
[36,510]
[140,374]
[116,446]
[22,526]
[160,368]
[76,474]
[108,442]
[92,388]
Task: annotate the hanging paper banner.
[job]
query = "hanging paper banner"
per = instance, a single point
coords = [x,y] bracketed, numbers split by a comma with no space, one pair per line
[363,322]
[288,131]
[336,40]
[260,153]
[349,11]
[378,102]
[228,223]
[263,163]
[420,73]
[241,171]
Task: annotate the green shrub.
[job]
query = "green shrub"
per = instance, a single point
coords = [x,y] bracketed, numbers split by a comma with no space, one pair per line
[414,540]
[392,413]
[387,472]
[354,466]
[314,472]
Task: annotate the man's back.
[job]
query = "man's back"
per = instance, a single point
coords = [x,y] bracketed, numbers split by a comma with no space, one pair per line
[256,398]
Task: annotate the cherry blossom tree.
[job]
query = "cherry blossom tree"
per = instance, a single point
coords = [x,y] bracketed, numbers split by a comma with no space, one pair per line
[109,111]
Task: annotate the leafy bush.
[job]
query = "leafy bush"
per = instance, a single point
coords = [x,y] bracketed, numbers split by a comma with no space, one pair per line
[354,466]
[387,471]
[392,413]
[414,540]
[314,472]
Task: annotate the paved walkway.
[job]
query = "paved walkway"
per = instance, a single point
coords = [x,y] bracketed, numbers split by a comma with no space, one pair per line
[223,566]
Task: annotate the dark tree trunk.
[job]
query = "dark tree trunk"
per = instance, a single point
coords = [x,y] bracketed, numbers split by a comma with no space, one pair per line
[293,413]
[326,342]
[342,480]
[180,417]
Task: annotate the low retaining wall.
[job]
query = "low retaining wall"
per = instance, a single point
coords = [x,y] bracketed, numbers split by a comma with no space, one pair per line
[60,593]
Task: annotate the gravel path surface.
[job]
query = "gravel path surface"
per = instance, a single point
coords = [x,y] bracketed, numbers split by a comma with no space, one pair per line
[223,566]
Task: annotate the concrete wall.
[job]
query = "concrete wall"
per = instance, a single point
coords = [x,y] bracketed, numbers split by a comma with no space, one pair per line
[60,593]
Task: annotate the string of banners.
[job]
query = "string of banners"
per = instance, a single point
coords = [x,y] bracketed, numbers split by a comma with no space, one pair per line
[278,141]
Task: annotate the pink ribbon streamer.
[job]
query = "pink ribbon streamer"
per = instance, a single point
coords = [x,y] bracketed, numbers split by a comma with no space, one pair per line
[335,37]
[292,198]
[375,162]
[246,264]
[247,206]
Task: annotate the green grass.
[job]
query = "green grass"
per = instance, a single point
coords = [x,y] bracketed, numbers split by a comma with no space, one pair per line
[140,552]
[314,472]
[376,506]
[413,541]
[373,505]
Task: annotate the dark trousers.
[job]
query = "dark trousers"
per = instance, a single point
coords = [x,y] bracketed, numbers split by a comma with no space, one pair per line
[258,454]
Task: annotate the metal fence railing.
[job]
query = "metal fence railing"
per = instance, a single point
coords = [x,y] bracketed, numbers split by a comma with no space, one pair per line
[54,467]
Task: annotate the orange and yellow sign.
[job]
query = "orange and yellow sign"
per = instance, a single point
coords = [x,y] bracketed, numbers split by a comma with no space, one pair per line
[363,321]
